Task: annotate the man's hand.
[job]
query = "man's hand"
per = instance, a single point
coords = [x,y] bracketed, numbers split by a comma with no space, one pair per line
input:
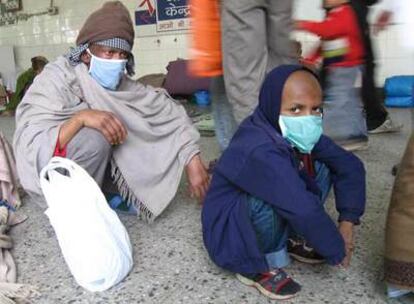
[198,178]
[382,21]
[346,229]
[105,122]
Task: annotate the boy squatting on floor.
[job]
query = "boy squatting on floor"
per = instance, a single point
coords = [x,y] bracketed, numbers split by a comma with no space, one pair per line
[269,186]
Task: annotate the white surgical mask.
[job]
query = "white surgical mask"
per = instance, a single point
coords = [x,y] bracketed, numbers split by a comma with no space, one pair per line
[107,72]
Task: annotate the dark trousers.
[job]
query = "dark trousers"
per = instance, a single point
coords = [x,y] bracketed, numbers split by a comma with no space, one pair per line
[373,104]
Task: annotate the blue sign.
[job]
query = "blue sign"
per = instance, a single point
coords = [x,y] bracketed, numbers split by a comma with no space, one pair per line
[172,9]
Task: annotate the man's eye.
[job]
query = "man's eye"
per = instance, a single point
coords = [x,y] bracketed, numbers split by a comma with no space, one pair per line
[295,110]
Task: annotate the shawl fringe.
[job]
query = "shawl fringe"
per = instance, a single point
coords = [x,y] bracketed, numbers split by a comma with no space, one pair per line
[399,273]
[11,293]
[128,195]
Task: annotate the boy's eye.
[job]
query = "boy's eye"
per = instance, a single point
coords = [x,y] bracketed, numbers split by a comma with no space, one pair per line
[318,111]
[295,110]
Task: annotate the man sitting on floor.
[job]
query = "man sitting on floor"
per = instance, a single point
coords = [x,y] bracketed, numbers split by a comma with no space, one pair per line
[84,107]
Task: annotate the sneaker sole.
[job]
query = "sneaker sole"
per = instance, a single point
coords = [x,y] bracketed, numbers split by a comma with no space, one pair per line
[264,291]
[355,147]
[305,260]
[392,130]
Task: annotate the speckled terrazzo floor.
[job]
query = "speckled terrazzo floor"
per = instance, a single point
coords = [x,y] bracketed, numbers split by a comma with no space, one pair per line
[171,265]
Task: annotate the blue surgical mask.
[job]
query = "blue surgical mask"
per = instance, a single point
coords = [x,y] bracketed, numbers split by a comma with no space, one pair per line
[303,132]
[107,72]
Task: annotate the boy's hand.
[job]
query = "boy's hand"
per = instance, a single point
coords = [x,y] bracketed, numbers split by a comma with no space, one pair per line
[297,24]
[198,178]
[346,229]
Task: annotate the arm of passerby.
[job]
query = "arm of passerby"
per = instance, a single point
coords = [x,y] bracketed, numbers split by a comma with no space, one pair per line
[313,60]
[333,26]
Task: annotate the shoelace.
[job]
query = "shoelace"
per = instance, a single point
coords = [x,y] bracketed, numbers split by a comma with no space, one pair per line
[301,243]
[278,275]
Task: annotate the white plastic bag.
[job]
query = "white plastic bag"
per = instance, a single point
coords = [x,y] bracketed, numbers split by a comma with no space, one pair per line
[93,241]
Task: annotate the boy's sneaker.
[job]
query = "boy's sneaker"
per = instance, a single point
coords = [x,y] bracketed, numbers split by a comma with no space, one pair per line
[387,126]
[275,284]
[299,251]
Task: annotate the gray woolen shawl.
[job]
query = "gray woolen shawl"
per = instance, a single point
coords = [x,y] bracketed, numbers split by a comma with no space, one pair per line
[147,167]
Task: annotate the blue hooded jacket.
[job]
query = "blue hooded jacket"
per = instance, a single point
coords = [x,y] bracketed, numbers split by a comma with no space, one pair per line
[261,163]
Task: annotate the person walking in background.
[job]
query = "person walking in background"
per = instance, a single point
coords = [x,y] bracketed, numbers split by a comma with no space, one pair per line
[254,39]
[342,52]
[206,61]
[399,230]
[378,118]
[399,237]
[24,81]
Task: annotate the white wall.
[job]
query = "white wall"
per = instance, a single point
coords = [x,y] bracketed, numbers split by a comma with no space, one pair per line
[53,35]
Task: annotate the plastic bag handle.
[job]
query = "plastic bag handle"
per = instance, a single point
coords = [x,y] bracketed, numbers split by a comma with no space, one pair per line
[55,163]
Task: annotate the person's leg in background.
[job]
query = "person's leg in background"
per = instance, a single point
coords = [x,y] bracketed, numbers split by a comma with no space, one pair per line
[243,24]
[281,49]
[225,124]
[375,110]
[399,249]
[344,119]
[255,39]
[378,119]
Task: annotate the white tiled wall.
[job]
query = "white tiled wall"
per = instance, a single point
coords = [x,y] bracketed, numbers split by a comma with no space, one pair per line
[53,35]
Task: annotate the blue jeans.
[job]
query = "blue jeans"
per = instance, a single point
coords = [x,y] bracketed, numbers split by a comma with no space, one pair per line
[272,230]
[343,112]
[225,124]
